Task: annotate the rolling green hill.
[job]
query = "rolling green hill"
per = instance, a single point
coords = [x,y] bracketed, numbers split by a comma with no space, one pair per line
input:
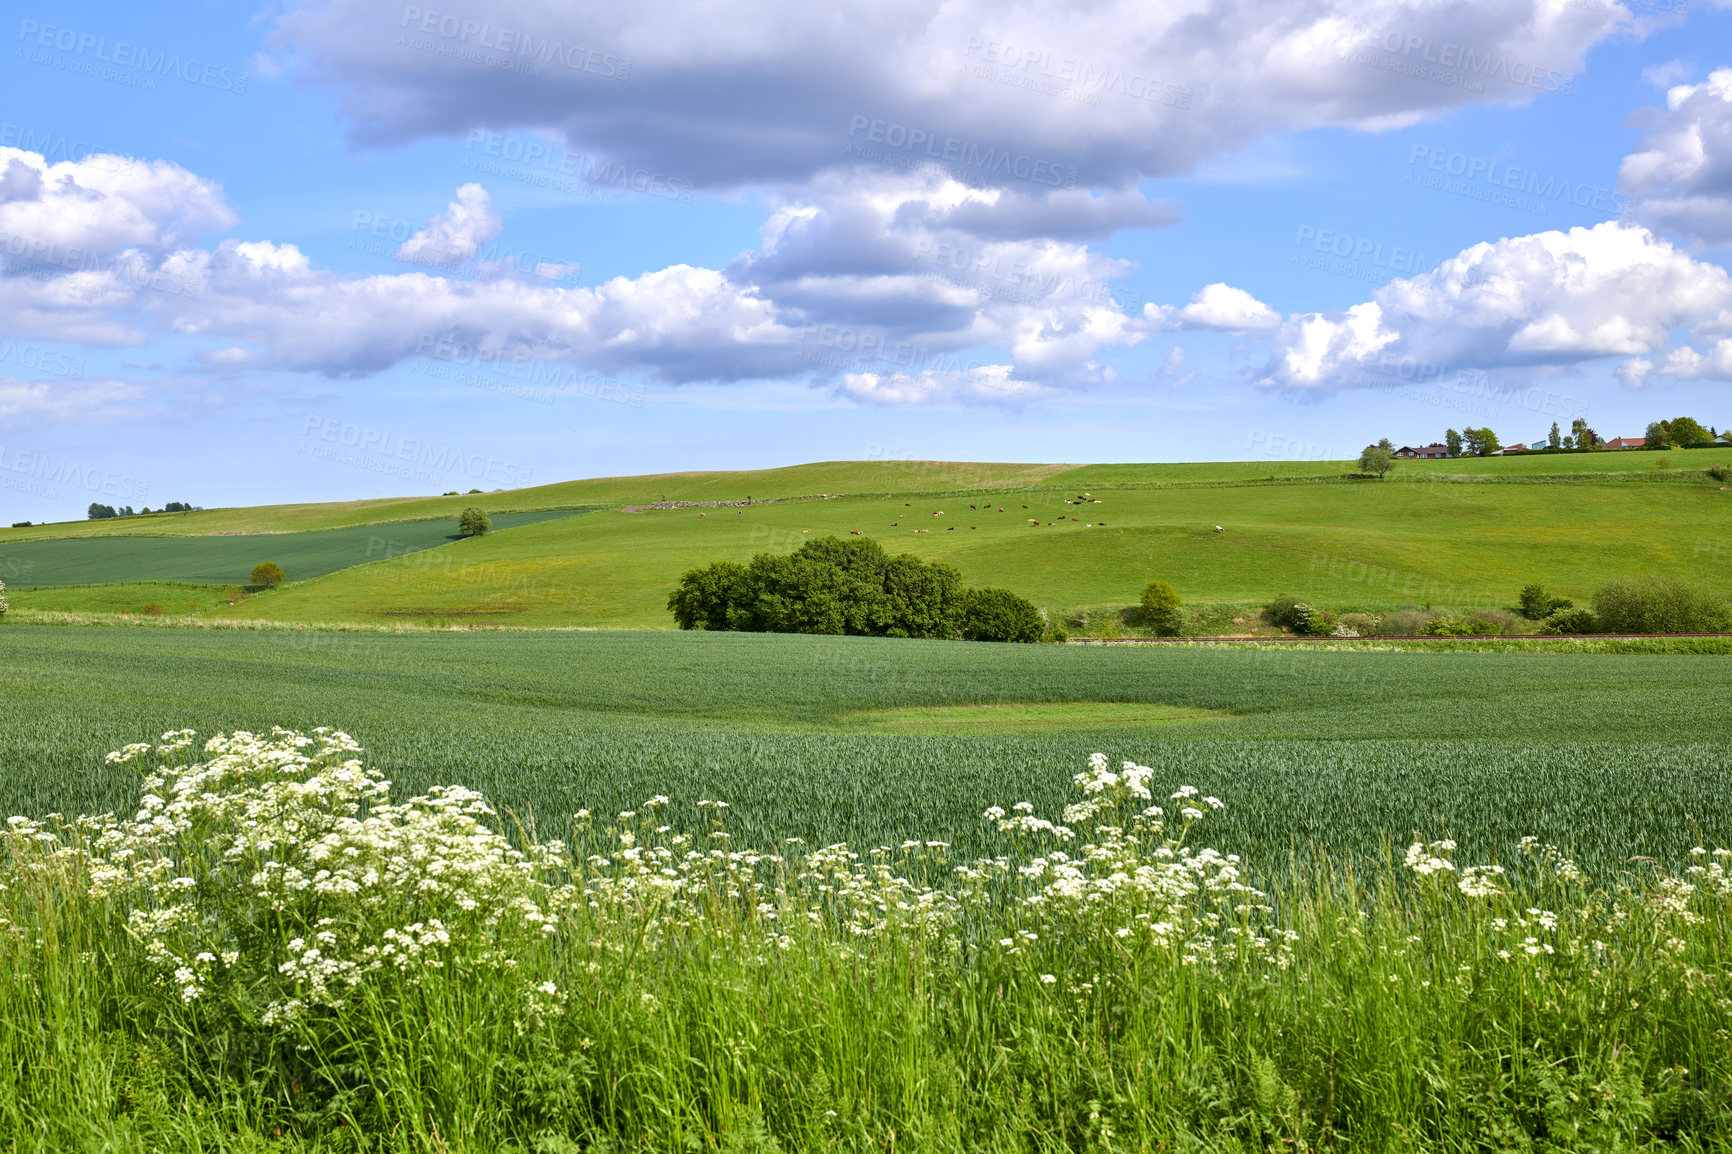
[228,559]
[1462,534]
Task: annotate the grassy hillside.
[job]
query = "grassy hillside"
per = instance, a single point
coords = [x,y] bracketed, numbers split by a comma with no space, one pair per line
[229,559]
[1463,534]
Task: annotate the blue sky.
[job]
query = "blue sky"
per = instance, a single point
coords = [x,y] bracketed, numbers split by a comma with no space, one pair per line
[332,250]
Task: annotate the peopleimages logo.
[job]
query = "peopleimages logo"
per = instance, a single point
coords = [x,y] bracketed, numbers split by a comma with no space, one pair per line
[388,449]
[515,42]
[42,467]
[950,150]
[1417,49]
[1500,175]
[134,56]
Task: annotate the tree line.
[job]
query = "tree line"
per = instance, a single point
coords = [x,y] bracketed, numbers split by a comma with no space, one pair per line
[830,585]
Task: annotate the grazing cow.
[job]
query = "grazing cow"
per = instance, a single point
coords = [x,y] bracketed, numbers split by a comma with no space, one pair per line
[853,532]
[1218,529]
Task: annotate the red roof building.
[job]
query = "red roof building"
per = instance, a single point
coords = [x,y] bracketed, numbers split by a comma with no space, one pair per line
[1626,443]
[1431,450]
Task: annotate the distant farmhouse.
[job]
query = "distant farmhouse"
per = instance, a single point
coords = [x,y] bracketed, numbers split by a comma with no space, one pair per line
[1432,450]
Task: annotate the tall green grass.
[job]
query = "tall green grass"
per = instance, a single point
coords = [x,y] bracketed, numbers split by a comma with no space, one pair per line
[189,980]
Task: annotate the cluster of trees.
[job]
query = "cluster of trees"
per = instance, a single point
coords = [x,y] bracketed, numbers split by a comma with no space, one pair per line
[1579,438]
[834,586]
[99,512]
[1472,442]
[1682,433]
[1633,605]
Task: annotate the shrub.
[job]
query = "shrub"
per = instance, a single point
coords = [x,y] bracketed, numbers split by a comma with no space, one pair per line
[269,574]
[1000,615]
[233,593]
[1577,620]
[1503,621]
[1403,623]
[1662,462]
[1719,472]
[1160,605]
[154,609]
[1537,604]
[1304,620]
[473,522]
[1450,625]
[1660,605]
[1361,624]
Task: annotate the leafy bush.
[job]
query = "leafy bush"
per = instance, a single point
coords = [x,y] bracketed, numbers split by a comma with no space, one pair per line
[1719,472]
[1361,624]
[1000,615]
[1572,621]
[473,522]
[1660,605]
[269,574]
[1304,620]
[154,609]
[829,585]
[1450,625]
[1537,604]
[1403,623]
[1160,605]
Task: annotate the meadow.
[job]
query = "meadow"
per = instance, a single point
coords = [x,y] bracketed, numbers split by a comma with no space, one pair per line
[228,559]
[288,950]
[1460,534]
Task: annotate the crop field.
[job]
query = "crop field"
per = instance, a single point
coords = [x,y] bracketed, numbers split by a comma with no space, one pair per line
[227,559]
[1343,752]
[1460,534]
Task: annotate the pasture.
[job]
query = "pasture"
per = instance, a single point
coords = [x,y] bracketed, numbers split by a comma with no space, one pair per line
[226,559]
[1457,534]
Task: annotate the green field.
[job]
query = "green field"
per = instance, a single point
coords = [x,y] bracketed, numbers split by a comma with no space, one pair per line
[1460,534]
[228,559]
[1338,751]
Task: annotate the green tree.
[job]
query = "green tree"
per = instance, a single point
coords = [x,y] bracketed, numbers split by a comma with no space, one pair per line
[1536,604]
[473,522]
[98,512]
[1000,615]
[1686,431]
[1480,442]
[1386,444]
[1160,605]
[1452,442]
[829,585]
[269,574]
[1553,440]
[712,597]
[1376,459]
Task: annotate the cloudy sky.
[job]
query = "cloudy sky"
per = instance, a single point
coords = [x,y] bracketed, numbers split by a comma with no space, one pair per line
[349,248]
